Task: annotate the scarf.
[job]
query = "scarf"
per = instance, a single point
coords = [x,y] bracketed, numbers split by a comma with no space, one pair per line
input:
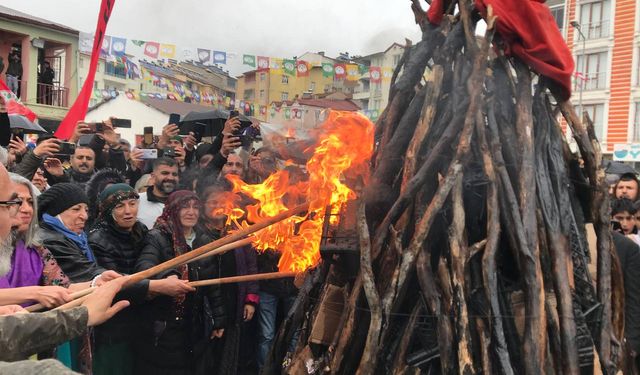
[79,239]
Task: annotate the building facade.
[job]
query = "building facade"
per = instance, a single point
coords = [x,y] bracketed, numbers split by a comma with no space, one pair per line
[37,40]
[604,37]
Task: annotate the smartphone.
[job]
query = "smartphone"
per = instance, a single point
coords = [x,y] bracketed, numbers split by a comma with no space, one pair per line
[121,123]
[96,127]
[67,148]
[149,153]
[174,118]
[233,113]
[169,152]
[615,226]
[148,135]
[197,129]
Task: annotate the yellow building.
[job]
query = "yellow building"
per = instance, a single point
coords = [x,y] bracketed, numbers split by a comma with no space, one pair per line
[36,40]
[257,89]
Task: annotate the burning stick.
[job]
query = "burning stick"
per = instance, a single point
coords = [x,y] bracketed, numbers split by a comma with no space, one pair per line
[74,296]
[243,279]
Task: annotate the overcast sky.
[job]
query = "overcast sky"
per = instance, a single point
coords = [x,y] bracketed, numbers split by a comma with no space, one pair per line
[278,28]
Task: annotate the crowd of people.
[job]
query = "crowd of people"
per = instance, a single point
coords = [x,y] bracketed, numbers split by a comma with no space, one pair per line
[105,213]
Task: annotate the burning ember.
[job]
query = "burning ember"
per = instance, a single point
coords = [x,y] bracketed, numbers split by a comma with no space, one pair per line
[345,146]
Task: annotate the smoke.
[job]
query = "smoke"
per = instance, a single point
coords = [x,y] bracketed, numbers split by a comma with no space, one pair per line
[385,38]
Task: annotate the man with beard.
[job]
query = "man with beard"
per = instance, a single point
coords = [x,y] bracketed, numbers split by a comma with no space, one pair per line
[21,335]
[166,178]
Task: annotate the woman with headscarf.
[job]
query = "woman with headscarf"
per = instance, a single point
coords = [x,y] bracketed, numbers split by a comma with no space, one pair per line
[242,298]
[117,241]
[178,332]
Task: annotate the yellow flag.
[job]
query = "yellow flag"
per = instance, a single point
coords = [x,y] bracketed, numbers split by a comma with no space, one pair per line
[352,72]
[168,51]
[387,73]
[275,66]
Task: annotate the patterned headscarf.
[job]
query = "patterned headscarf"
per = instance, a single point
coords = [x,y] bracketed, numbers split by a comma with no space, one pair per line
[110,198]
[169,224]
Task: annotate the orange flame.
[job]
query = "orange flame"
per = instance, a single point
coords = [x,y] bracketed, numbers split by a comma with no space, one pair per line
[346,144]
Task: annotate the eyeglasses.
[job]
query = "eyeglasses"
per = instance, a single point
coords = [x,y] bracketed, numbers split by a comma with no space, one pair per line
[13,206]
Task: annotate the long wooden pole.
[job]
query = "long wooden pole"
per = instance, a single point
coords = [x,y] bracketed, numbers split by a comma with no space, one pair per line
[74,296]
[243,279]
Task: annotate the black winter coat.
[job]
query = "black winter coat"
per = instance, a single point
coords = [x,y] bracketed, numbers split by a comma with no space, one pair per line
[69,256]
[629,256]
[119,250]
[171,343]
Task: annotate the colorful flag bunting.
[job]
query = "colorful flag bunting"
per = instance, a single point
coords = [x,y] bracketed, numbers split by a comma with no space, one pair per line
[363,69]
[118,46]
[219,57]
[168,51]
[352,72]
[204,56]
[106,45]
[387,73]
[340,71]
[152,49]
[138,43]
[327,70]
[302,68]
[263,63]
[276,66]
[289,67]
[375,74]
[249,60]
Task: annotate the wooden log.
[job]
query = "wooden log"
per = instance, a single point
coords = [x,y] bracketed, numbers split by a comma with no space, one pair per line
[399,363]
[369,357]
[243,279]
[535,337]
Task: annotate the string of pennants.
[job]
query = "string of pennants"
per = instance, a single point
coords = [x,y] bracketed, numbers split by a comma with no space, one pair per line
[116,49]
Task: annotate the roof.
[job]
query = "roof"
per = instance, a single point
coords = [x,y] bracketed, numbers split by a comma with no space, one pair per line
[15,15]
[173,106]
[338,105]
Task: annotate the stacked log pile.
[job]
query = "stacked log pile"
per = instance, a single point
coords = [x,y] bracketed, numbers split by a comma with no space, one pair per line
[473,251]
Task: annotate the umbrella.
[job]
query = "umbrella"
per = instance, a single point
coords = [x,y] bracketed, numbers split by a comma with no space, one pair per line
[214,120]
[616,167]
[17,121]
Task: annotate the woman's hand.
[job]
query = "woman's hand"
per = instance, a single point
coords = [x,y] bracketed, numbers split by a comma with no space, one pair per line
[107,276]
[249,310]
[171,286]
[52,296]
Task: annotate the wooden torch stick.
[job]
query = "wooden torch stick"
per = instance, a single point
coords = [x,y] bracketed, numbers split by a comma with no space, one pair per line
[243,279]
[235,236]
[74,296]
[233,241]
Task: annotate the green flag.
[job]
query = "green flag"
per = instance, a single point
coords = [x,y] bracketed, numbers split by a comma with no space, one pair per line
[138,43]
[363,69]
[289,67]
[249,60]
[327,69]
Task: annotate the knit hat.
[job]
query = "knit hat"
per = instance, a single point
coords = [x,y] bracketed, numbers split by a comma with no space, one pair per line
[111,196]
[60,197]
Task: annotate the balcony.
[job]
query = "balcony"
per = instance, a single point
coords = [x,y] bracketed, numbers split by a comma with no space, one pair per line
[596,30]
[53,95]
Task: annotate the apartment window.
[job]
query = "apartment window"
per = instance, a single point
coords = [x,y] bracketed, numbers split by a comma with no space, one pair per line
[596,114]
[313,86]
[557,12]
[592,71]
[285,79]
[263,76]
[595,19]
[248,94]
[285,96]
[636,123]
[261,94]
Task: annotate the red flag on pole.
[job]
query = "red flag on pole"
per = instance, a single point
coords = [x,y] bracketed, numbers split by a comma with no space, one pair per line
[78,110]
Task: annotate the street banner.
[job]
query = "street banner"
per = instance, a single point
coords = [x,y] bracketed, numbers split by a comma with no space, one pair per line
[118,46]
[168,51]
[340,71]
[375,74]
[353,72]
[106,46]
[78,110]
[263,63]
[152,49]
[204,56]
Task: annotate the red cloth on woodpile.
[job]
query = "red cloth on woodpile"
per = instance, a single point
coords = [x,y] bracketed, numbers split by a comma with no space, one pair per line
[530,33]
